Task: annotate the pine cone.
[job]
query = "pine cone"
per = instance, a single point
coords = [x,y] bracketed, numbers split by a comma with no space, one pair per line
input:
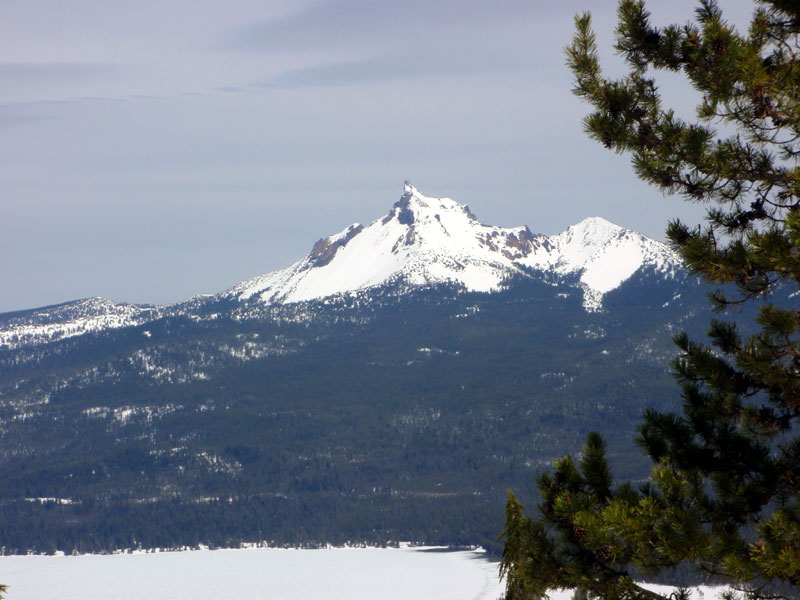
[719,48]
[580,533]
[604,553]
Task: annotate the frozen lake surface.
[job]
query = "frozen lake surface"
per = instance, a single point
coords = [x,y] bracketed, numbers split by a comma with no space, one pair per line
[255,573]
[267,574]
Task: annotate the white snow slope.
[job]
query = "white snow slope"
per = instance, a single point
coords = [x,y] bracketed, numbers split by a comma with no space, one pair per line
[53,323]
[426,240]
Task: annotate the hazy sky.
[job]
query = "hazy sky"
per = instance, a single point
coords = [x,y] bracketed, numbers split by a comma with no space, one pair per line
[150,151]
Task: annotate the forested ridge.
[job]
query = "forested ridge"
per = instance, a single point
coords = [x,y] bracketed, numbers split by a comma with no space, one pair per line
[402,418]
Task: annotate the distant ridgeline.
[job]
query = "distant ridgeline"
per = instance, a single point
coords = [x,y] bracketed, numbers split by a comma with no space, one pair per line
[399,408]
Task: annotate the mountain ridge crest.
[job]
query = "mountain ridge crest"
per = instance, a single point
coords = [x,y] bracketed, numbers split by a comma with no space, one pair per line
[422,241]
[427,240]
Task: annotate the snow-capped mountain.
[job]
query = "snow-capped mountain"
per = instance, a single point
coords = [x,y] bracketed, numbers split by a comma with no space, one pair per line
[360,394]
[425,240]
[422,241]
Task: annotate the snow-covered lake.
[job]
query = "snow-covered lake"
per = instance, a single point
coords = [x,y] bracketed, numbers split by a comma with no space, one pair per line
[403,573]
[263,573]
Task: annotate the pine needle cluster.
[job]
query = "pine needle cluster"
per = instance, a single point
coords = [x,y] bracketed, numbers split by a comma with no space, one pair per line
[724,494]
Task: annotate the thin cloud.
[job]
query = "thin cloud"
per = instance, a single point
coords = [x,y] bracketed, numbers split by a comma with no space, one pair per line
[27,82]
[12,73]
[353,23]
[392,68]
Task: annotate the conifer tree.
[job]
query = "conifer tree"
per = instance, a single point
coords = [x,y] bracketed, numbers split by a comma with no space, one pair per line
[724,494]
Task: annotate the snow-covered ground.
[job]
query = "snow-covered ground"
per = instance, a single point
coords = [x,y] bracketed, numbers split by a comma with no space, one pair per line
[403,573]
[262,573]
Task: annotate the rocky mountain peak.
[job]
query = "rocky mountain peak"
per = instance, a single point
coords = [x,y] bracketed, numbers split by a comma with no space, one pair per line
[428,240]
[414,207]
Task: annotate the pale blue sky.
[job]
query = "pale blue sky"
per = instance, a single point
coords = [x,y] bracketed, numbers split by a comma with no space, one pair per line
[150,151]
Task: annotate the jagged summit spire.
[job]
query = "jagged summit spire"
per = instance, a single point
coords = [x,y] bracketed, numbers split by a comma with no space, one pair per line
[411,193]
[414,206]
